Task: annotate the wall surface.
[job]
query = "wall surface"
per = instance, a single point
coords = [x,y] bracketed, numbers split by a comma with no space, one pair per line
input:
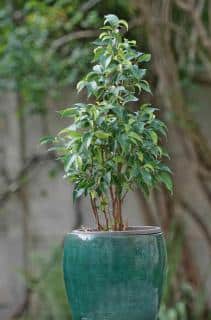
[51,213]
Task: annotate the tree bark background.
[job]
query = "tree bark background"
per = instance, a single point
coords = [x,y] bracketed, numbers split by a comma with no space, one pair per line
[188,147]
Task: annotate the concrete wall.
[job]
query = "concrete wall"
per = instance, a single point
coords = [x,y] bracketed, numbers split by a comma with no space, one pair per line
[51,211]
[51,208]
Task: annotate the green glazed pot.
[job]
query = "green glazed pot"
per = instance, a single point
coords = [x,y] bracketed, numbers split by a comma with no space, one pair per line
[115,275]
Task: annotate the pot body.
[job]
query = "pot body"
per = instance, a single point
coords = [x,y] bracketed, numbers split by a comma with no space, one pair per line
[114,276]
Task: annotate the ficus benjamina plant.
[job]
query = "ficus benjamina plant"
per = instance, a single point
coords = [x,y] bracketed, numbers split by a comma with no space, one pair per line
[109,149]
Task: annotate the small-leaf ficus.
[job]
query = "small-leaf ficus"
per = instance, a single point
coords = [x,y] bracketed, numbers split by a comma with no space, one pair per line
[109,149]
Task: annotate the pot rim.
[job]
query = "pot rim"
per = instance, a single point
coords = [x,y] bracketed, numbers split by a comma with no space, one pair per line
[131,230]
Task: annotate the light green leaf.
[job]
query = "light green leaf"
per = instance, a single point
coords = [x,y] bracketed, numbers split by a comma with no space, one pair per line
[154,137]
[149,167]
[69,162]
[68,112]
[78,162]
[98,68]
[112,19]
[91,87]
[123,23]
[81,85]
[102,135]
[71,133]
[146,57]
[140,156]
[107,61]
[135,136]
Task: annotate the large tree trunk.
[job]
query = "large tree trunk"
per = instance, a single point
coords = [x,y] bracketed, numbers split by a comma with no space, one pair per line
[191,202]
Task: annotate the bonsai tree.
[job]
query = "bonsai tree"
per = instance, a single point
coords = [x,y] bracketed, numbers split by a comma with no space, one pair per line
[110,149]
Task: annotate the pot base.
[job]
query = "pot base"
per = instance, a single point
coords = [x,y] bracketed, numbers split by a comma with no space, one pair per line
[114,275]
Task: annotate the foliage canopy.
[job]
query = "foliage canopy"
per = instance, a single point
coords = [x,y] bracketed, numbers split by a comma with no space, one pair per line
[110,149]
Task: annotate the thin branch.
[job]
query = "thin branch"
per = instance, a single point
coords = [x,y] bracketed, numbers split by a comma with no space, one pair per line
[78,214]
[193,42]
[19,311]
[209,17]
[22,307]
[106,219]
[95,212]
[113,202]
[75,35]
[89,5]
[16,184]
[185,5]
[204,173]
[205,187]
[189,7]
[202,79]
[86,34]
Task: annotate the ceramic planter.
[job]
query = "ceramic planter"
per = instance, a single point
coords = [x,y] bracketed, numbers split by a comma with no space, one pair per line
[115,275]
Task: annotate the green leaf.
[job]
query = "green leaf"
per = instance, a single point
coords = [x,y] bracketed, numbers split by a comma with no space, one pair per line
[144,188]
[130,98]
[112,19]
[145,57]
[106,28]
[123,23]
[107,177]
[88,139]
[145,86]
[107,61]
[164,167]
[91,87]
[71,133]
[123,141]
[135,136]
[109,143]
[81,85]
[47,139]
[140,156]
[98,68]
[165,178]
[68,112]
[154,137]
[78,162]
[146,176]
[70,160]
[102,135]
[77,193]
[149,167]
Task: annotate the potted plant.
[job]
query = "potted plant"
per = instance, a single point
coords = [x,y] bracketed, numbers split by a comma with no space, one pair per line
[113,271]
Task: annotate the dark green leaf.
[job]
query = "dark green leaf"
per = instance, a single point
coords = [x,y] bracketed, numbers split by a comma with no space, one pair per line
[145,86]
[77,193]
[166,179]
[47,139]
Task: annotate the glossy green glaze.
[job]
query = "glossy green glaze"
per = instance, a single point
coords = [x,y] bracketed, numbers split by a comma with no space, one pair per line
[114,277]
